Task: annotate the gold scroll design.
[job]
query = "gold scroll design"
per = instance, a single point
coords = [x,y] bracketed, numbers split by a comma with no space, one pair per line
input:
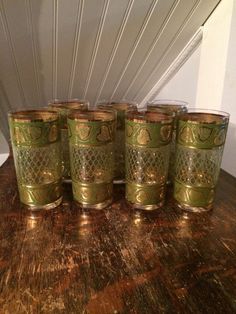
[104,134]
[27,133]
[33,134]
[83,131]
[202,135]
[143,137]
[40,195]
[92,193]
[129,130]
[194,196]
[165,132]
[186,134]
[53,133]
[145,195]
[220,137]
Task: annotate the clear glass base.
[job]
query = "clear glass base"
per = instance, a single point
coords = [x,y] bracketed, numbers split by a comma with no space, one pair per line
[195,209]
[45,207]
[95,206]
[147,207]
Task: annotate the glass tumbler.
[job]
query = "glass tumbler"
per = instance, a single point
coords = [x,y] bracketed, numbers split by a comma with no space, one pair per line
[121,108]
[177,107]
[200,143]
[91,138]
[148,140]
[64,107]
[35,137]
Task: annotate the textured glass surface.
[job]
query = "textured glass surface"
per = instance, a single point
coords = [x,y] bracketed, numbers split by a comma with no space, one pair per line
[92,164]
[119,149]
[65,154]
[147,165]
[198,167]
[177,108]
[37,165]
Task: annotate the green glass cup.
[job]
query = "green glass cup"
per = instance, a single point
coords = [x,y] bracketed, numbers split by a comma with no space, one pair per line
[177,108]
[91,141]
[201,136]
[64,108]
[35,137]
[121,107]
[148,140]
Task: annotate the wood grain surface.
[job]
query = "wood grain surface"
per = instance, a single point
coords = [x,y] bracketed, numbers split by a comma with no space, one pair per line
[116,260]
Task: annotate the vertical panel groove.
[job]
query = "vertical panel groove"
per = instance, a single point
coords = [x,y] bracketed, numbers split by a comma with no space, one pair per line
[54,49]
[96,45]
[76,47]
[179,61]
[7,32]
[158,36]
[34,48]
[115,47]
[186,20]
[136,43]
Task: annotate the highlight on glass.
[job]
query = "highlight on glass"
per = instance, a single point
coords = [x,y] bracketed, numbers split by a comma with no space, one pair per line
[64,107]
[201,137]
[91,139]
[177,108]
[148,140]
[121,107]
[35,137]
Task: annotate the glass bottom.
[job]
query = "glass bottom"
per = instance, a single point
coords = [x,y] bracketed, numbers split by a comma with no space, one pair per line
[95,206]
[45,207]
[68,180]
[119,181]
[195,209]
[147,207]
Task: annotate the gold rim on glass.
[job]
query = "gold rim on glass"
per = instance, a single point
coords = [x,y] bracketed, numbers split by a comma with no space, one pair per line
[145,116]
[122,105]
[93,115]
[33,116]
[69,104]
[205,116]
[176,106]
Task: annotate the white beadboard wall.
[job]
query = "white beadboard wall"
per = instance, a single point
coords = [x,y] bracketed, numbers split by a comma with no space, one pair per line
[92,49]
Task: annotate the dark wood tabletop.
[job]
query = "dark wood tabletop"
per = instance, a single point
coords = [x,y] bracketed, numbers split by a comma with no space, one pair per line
[116,260]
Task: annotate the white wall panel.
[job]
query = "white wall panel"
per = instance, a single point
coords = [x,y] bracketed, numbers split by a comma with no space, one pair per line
[115,25]
[134,24]
[90,48]
[43,16]
[92,21]
[135,43]
[67,36]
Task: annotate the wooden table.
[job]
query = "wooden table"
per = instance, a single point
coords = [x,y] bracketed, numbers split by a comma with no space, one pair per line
[116,260]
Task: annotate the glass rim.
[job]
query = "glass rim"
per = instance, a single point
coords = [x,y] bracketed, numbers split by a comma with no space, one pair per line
[33,115]
[173,102]
[118,106]
[145,116]
[94,115]
[209,116]
[112,102]
[68,103]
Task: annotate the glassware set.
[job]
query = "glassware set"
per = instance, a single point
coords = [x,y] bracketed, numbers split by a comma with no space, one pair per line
[120,107]
[64,107]
[116,142]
